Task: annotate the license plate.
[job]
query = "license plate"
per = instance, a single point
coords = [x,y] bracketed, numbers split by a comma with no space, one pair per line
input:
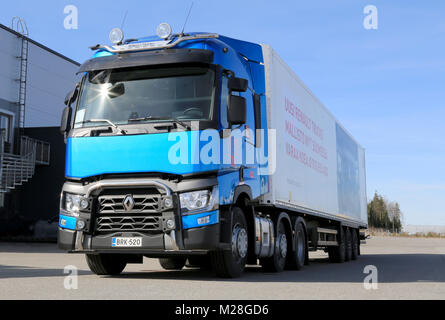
[126,242]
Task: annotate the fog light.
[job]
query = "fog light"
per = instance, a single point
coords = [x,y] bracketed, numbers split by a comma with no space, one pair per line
[80,224]
[84,203]
[170,224]
[168,202]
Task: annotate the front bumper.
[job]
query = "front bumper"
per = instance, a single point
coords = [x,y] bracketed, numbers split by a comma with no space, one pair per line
[194,241]
[192,234]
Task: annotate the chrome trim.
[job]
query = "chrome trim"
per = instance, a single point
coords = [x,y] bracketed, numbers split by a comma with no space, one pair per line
[125,183]
[138,46]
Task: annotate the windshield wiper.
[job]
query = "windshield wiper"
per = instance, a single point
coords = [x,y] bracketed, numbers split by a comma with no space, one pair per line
[184,125]
[107,121]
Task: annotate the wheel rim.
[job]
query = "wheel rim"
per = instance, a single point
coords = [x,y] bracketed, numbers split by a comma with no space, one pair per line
[239,242]
[283,245]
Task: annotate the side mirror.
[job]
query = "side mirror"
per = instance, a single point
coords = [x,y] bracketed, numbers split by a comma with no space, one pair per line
[71,96]
[238,84]
[66,120]
[237,110]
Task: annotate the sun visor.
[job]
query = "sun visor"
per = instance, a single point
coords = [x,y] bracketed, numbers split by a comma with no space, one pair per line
[148,58]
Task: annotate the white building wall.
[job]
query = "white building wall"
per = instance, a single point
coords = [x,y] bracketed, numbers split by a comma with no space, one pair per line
[9,66]
[50,78]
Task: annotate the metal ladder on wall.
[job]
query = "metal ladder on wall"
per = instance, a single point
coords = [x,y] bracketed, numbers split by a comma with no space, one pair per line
[18,169]
[19,25]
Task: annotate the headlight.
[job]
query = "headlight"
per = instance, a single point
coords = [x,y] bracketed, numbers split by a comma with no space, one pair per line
[75,202]
[201,200]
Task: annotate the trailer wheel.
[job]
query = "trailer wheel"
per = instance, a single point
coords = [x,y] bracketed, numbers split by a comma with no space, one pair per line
[298,257]
[106,264]
[277,262]
[172,263]
[337,253]
[355,245]
[231,263]
[348,247]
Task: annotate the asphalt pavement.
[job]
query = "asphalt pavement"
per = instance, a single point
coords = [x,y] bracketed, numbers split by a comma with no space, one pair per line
[401,268]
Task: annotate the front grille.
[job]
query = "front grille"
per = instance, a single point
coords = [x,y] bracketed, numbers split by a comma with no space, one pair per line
[144,216]
[142,204]
[126,224]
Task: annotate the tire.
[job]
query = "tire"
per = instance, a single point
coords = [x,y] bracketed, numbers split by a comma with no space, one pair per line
[277,262]
[298,257]
[106,264]
[231,263]
[337,253]
[348,245]
[355,245]
[172,263]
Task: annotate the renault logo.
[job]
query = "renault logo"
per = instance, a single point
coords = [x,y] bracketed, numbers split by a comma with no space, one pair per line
[128,203]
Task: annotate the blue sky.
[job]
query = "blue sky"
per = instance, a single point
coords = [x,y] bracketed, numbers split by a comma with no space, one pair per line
[386,86]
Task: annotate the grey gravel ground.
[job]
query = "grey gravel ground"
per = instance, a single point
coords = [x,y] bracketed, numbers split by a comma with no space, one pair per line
[407,269]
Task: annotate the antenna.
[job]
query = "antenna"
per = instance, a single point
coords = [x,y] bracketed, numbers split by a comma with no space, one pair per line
[123,20]
[186,19]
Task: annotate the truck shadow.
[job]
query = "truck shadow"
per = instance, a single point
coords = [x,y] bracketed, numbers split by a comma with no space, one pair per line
[391,268]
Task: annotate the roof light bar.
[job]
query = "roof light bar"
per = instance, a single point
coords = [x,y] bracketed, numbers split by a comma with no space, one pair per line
[163,44]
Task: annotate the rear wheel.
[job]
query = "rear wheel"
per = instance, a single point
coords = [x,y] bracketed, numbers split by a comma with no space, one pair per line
[231,263]
[348,245]
[277,262]
[172,263]
[106,264]
[355,244]
[337,253]
[298,257]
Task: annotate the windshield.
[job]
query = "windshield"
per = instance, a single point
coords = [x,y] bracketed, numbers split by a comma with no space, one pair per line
[128,96]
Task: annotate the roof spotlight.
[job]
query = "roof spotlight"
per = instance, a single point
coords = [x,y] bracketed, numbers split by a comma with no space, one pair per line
[116,36]
[164,30]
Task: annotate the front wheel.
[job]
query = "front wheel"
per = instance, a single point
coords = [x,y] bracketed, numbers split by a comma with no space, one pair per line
[231,263]
[172,263]
[106,264]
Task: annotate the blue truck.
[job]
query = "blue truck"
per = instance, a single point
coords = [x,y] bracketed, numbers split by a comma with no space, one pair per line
[204,151]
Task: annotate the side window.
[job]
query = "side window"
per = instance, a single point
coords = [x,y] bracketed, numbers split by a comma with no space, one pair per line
[223,104]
